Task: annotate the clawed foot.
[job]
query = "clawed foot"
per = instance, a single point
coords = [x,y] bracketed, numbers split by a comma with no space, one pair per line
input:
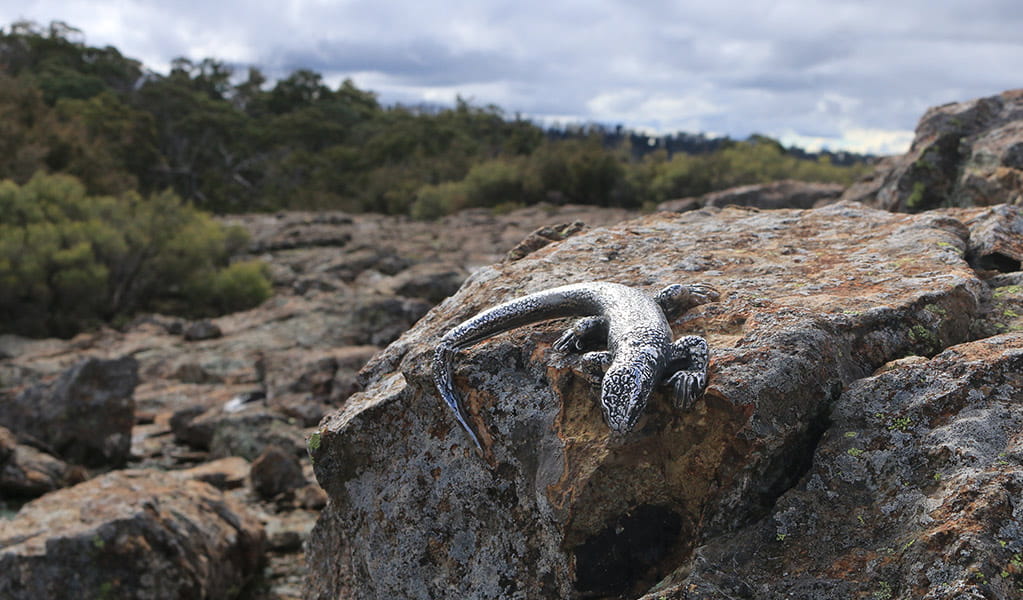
[689,358]
[676,299]
[584,333]
[687,387]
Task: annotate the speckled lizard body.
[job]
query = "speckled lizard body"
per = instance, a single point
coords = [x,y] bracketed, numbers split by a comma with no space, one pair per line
[640,352]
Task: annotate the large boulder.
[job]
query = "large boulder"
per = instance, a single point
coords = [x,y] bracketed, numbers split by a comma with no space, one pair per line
[84,416]
[811,301]
[130,534]
[914,493]
[964,154]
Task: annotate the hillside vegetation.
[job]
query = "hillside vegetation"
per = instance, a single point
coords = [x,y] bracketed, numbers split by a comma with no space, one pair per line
[109,172]
[231,142]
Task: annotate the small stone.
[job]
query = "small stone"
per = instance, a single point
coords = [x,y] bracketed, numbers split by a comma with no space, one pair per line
[276,472]
[202,330]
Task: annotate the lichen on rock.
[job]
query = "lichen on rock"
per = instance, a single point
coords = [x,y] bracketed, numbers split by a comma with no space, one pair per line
[812,301]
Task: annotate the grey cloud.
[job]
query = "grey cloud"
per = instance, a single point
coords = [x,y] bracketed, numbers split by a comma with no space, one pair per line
[726,66]
[422,61]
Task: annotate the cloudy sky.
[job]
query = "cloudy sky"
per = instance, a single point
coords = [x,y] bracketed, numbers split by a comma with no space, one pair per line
[843,74]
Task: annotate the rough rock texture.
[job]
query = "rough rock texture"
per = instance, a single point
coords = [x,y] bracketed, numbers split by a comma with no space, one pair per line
[996,239]
[222,473]
[276,472]
[812,301]
[85,416]
[778,194]
[28,472]
[201,330]
[130,534]
[964,154]
[344,285]
[914,493]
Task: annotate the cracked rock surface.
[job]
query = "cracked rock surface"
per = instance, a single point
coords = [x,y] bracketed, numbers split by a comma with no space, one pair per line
[813,303]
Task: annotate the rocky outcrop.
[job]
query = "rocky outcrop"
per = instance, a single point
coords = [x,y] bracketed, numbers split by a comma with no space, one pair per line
[963,154]
[778,194]
[130,534]
[914,492]
[84,416]
[812,302]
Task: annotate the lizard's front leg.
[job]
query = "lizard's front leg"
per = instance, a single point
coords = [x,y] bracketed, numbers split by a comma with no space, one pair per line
[688,370]
[588,332]
[676,299]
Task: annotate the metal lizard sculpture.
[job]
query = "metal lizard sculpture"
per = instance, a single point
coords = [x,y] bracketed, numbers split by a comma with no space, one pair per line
[640,352]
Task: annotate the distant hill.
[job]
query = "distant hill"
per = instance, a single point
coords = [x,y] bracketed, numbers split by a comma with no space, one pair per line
[236,142]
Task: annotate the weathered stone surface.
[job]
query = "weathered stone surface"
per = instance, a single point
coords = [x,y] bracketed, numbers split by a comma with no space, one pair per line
[26,472]
[304,384]
[130,534]
[778,194]
[276,472]
[432,282]
[914,493]
[811,301]
[223,473]
[84,416]
[963,154]
[245,433]
[996,238]
[287,231]
[543,236]
[198,331]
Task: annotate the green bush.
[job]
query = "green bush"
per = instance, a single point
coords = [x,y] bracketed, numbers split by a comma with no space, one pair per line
[435,201]
[232,288]
[69,261]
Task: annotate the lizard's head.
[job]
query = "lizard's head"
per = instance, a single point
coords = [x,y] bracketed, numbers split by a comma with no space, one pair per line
[624,392]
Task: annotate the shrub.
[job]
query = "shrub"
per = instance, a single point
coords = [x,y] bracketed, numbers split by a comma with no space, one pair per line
[233,288]
[69,261]
[435,201]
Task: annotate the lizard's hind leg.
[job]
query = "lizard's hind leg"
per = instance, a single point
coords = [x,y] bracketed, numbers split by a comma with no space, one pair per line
[676,299]
[688,370]
[586,333]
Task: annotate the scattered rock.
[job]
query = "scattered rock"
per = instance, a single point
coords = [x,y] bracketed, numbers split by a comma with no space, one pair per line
[248,434]
[27,472]
[542,237]
[378,320]
[224,473]
[432,282]
[311,497]
[85,416]
[304,384]
[276,472]
[205,329]
[964,154]
[778,194]
[130,534]
[287,531]
[190,428]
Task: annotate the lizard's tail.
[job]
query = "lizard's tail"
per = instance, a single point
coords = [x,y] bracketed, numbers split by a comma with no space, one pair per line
[443,378]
